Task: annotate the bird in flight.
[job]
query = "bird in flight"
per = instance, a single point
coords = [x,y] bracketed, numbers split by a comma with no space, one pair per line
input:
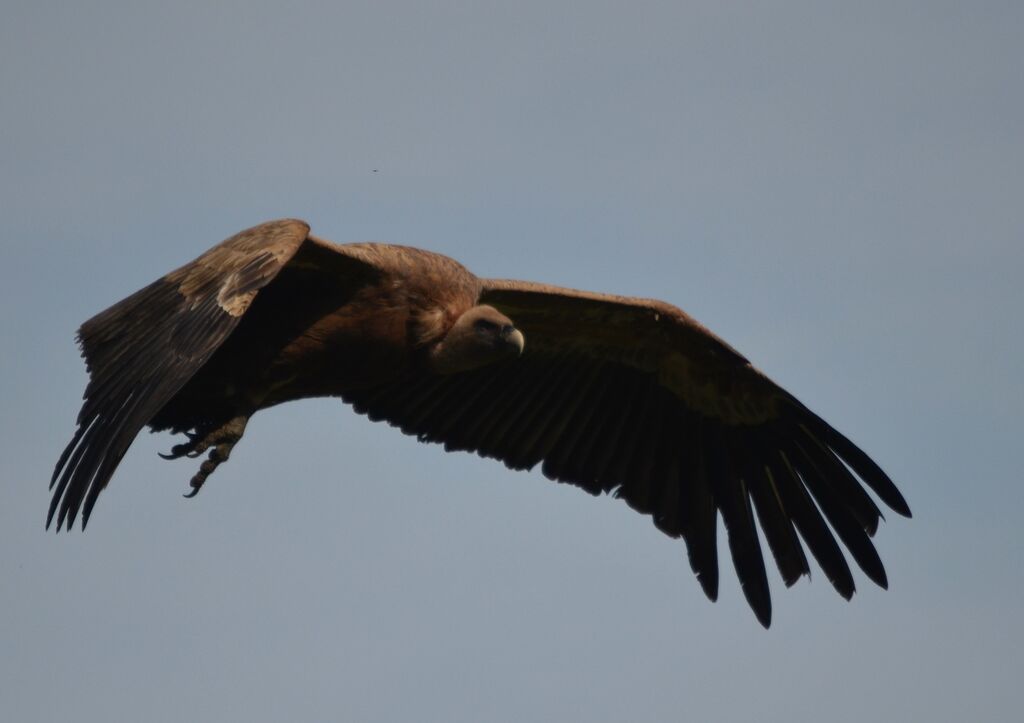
[612,394]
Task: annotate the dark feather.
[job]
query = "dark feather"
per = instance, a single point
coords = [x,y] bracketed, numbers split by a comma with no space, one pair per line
[778,529]
[810,525]
[127,389]
[730,491]
[699,510]
[840,517]
[864,466]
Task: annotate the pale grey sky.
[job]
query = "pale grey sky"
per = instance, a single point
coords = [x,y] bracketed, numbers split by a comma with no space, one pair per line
[835,188]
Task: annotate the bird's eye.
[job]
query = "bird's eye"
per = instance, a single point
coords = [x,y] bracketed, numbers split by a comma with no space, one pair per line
[485,325]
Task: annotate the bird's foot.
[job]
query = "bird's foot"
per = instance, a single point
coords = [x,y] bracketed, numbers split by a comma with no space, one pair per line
[219,440]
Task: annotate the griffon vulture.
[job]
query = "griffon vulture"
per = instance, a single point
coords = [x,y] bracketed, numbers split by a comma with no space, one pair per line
[612,394]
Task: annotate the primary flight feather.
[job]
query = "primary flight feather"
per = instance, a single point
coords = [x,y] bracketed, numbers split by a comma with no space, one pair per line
[609,393]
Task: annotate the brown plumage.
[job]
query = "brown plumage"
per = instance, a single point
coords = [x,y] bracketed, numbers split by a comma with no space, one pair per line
[612,394]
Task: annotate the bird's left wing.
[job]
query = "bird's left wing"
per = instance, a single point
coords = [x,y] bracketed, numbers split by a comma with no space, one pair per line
[634,397]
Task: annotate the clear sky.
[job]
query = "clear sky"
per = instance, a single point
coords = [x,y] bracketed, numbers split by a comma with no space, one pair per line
[835,188]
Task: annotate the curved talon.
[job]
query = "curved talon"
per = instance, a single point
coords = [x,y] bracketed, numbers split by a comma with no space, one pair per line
[181,450]
[199,478]
[194,447]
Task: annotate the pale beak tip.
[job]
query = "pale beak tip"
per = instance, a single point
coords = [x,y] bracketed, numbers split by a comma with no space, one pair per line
[517,339]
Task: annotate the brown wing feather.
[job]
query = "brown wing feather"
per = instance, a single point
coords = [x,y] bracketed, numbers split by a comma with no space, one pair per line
[634,397]
[142,350]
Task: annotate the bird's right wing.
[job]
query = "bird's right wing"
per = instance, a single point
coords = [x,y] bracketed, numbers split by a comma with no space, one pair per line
[141,351]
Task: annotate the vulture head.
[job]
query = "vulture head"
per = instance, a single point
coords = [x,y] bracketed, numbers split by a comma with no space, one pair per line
[481,336]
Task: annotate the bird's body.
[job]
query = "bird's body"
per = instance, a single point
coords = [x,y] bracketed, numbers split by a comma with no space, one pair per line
[612,394]
[307,335]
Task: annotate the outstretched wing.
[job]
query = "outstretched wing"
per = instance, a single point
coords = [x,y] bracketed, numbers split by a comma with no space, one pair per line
[633,397]
[142,350]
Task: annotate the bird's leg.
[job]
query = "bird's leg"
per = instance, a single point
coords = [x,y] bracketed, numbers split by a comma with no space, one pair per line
[219,440]
[222,440]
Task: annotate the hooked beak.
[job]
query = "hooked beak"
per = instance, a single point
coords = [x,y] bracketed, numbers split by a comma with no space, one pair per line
[514,338]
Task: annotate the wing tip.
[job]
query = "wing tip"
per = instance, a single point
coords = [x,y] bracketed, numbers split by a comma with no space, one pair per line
[763,615]
[899,505]
[710,587]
